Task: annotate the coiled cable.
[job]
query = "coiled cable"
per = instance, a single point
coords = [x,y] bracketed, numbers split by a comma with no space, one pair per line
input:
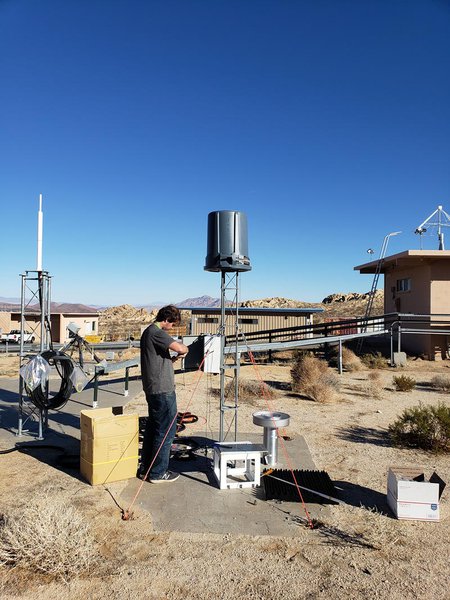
[64,366]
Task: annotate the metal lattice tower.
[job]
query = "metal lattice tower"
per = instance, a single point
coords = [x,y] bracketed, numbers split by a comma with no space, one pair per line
[35,318]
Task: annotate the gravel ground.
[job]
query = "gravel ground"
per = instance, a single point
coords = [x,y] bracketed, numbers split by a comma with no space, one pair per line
[361,552]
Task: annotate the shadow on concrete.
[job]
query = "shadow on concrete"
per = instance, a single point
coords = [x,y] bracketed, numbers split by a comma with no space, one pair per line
[103,383]
[364,435]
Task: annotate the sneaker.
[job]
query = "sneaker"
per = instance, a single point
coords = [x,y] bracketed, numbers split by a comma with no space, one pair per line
[141,475]
[168,476]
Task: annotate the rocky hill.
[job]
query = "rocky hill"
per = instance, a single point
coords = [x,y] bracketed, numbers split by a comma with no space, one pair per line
[121,322]
[336,306]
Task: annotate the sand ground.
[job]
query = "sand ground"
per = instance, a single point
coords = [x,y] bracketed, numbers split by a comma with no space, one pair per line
[361,552]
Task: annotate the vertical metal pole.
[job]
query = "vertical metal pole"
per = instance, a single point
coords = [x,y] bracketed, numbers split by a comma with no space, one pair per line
[22,302]
[222,354]
[270,351]
[94,402]
[392,346]
[42,306]
[22,321]
[127,373]
[41,418]
[237,357]
[399,339]
[340,356]
[49,313]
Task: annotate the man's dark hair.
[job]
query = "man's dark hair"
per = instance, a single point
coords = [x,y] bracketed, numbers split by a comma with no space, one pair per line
[168,313]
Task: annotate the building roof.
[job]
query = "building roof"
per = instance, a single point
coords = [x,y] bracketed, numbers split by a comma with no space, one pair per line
[406,258]
[252,310]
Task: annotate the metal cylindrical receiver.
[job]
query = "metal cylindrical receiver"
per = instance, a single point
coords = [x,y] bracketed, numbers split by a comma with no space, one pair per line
[227,248]
[271,421]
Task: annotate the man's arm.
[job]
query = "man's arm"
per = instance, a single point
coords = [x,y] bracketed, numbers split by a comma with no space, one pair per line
[180,348]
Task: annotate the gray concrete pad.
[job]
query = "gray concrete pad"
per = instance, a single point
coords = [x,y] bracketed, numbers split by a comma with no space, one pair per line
[194,503]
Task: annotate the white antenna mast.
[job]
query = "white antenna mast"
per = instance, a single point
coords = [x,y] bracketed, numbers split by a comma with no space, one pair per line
[443,220]
[39,235]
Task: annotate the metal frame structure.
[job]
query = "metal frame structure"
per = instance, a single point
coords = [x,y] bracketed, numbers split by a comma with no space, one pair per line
[229,283]
[440,325]
[443,220]
[35,292]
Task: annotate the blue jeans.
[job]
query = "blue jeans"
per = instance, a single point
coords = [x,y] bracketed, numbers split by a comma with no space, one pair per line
[162,411]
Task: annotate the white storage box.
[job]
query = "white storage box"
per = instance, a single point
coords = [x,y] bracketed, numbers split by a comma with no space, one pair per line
[411,497]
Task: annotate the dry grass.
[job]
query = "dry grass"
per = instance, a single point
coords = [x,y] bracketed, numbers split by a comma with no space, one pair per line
[374,361]
[441,382]
[250,391]
[350,362]
[48,536]
[9,365]
[374,376]
[312,377]
[373,387]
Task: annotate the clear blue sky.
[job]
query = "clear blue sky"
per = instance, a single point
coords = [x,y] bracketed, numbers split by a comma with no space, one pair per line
[326,121]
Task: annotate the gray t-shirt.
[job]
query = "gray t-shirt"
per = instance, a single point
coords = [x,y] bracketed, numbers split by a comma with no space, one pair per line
[156,364]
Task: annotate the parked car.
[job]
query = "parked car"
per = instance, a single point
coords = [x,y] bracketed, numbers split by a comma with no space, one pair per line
[13,337]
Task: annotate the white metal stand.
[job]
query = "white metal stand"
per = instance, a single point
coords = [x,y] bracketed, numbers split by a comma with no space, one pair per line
[237,464]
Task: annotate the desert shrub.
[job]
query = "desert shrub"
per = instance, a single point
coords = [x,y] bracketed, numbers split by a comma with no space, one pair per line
[373,390]
[374,361]
[374,376]
[249,390]
[403,383]
[311,376]
[350,362]
[425,427]
[441,382]
[47,536]
[373,387]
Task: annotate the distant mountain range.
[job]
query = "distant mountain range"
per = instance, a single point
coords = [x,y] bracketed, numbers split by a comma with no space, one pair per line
[59,307]
[56,307]
[200,301]
[334,305]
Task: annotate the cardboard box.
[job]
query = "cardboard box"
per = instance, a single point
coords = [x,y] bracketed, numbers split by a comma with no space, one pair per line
[109,445]
[411,497]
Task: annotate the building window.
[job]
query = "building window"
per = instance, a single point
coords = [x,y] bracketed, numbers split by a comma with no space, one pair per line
[207,320]
[248,321]
[404,285]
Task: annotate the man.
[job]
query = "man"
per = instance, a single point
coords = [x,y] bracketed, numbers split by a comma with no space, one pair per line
[159,387]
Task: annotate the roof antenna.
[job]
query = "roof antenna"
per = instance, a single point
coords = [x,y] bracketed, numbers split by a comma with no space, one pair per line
[441,219]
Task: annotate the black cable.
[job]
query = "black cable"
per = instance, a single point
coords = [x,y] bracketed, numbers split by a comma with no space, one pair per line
[64,366]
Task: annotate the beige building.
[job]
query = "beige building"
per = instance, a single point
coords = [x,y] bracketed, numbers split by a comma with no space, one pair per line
[417,282]
[87,321]
[206,320]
